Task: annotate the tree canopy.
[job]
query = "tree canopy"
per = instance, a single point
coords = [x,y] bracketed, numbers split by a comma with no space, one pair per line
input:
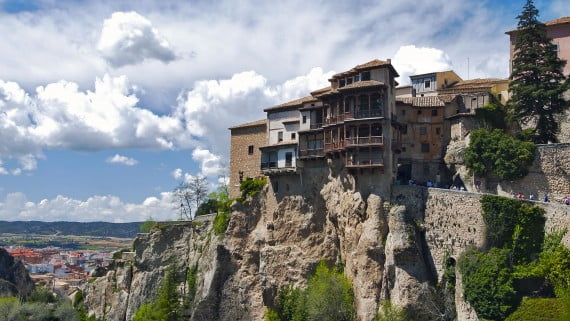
[537,82]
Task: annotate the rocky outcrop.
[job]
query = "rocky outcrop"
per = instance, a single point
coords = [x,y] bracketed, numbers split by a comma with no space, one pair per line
[14,278]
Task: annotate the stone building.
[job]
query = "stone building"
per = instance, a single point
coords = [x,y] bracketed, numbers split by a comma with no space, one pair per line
[425,135]
[246,139]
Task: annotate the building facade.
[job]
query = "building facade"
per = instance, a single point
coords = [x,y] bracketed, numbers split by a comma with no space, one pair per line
[245,156]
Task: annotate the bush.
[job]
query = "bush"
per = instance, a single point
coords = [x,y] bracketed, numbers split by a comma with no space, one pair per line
[492,115]
[271,315]
[207,207]
[539,309]
[495,151]
[251,187]
[391,313]
[41,295]
[147,225]
[221,222]
[488,282]
[513,224]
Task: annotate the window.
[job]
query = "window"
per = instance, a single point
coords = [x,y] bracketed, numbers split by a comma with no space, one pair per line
[304,119]
[288,159]
[356,78]
[434,112]
[349,80]
[425,148]
[279,137]
[240,176]
[419,111]
[250,149]
[403,112]
[293,136]
[555,47]
[404,130]
[499,97]
[365,75]
[423,130]
[427,84]
[341,83]
[438,131]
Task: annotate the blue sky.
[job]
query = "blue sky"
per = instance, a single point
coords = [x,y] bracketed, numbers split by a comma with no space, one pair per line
[105,106]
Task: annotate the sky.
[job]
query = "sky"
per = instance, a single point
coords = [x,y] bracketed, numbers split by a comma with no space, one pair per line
[106,106]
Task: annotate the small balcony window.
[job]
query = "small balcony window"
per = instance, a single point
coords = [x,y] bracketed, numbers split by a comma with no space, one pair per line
[356,78]
[250,149]
[438,131]
[434,112]
[349,80]
[288,159]
[423,131]
[427,84]
[365,76]
[279,137]
[425,148]
[304,119]
[341,83]
[293,136]
[404,130]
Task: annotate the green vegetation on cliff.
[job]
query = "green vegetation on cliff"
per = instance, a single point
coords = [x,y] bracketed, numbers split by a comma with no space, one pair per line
[328,296]
[497,152]
[517,261]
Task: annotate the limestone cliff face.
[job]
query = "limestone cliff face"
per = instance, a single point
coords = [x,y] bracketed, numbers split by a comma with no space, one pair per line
[391,241]
[14,278]
[276,240]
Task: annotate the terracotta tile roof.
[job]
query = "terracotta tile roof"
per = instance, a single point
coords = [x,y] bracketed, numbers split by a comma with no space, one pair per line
[293,103]
[426,101]
[320,91]
[256,123]
[480,83]
[361,84]
[559,21]
[368,65]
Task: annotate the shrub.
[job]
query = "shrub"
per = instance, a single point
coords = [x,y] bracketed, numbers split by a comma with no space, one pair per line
[147,225]
[391,313]
[221,222]
[495,151]
[271,315]
[513,224]
[251,187]
[41,295]
[539,309]
[488,282]
[191,278]
[166,306]
[492,115]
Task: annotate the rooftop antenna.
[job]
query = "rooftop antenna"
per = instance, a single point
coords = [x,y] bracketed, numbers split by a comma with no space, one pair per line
[467,68]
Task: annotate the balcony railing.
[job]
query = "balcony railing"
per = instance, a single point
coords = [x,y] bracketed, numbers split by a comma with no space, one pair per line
[316,125]
[268,165]
[311,152]
[365,162]
[334,120]
[369,140]
[329,147]
[365,113]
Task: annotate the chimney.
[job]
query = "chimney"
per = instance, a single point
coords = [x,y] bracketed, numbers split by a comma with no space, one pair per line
[389,60]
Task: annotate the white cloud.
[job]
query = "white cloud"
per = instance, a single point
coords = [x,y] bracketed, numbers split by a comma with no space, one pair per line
[120,159]
[410,60]
[211,165]
[128,38]
[177,174]
[15,206]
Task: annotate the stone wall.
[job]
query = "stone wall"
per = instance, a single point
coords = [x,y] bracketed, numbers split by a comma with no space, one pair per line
[550,173]
[452,220]
[240,158]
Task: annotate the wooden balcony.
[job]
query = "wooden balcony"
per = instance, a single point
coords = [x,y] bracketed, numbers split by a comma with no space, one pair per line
[364,141]
[365,113]
[311,153]
[371,162]
[334,147]
[334,120]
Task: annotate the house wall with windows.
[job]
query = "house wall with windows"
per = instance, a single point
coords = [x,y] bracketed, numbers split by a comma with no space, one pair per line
[245,157]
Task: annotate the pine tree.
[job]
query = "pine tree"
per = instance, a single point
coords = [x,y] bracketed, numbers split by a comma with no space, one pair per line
[537,83]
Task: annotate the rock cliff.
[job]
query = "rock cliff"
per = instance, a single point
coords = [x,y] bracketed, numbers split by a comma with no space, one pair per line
[14,278]
[392,247]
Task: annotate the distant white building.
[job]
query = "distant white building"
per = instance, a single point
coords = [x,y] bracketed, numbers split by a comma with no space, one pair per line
[40,268]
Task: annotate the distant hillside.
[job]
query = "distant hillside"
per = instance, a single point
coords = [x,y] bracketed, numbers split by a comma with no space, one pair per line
[128,230]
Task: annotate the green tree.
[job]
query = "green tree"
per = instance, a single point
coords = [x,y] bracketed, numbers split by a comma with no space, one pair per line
[166,307]
[329,296]
[488,282]
[537,82]
[207,207]
[495,151]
